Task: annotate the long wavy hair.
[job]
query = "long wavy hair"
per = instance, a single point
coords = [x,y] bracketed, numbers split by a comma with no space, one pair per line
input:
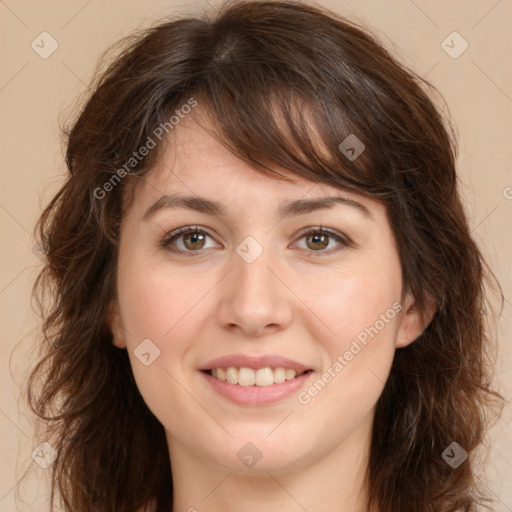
[284,83]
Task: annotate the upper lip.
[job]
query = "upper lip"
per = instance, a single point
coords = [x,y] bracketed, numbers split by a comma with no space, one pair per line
[254,362]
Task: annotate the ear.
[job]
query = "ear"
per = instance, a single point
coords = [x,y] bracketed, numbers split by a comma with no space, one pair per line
[115,325]
[412,323]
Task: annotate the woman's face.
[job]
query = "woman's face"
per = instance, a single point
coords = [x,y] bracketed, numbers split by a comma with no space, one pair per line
[253,286]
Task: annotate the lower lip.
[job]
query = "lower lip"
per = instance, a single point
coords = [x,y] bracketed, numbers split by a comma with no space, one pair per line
[256,395]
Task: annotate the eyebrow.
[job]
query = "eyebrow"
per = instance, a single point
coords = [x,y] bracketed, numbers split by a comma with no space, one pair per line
[288,208]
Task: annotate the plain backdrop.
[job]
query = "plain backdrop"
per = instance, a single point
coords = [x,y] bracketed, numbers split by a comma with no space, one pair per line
[37,95]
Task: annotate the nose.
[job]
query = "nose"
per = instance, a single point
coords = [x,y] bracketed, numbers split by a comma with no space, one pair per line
[255,300]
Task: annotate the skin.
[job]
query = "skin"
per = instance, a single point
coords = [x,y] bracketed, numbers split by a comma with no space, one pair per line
[298,299]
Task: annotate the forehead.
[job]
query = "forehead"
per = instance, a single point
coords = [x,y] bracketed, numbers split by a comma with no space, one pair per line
[194,162]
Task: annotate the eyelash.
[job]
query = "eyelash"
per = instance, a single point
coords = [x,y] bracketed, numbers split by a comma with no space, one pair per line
[343,240]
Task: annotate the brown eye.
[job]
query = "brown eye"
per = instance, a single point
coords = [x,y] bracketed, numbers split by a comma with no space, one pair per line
[318,239]
[186,240]
[193,241]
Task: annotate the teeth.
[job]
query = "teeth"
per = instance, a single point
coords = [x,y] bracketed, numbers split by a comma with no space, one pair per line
[232,375]
[249,377]
[290,374]
[246,377]
[264,377]
[279,375]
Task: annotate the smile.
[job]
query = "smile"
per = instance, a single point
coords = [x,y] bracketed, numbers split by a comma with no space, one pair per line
[255,394]
[255,377]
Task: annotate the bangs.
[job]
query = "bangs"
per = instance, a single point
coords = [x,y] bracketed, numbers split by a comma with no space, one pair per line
[273,125]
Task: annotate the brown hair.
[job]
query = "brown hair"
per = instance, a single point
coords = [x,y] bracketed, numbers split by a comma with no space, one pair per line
[261,69]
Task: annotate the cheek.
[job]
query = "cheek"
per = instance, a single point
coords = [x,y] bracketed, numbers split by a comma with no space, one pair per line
[352,302]
[156,302]
[359,307]
[362,307]
[167,307]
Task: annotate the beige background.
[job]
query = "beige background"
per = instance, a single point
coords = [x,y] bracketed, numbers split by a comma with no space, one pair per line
[37,94]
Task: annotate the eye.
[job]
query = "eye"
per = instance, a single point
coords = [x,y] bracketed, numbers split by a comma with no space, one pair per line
[317,239]
[191,239]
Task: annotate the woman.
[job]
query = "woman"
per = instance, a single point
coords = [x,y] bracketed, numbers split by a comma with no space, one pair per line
[266,292]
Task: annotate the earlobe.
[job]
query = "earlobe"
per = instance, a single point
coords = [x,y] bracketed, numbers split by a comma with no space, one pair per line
[412,322]
[115,325]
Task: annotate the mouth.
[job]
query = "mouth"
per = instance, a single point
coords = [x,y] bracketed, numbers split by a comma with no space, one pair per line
[255,380]
[261,377]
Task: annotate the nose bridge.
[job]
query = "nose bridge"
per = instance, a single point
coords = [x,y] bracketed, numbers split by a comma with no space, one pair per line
[252,275]
[254,300]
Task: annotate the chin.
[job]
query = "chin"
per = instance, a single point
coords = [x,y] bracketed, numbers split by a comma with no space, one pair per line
[257,455]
